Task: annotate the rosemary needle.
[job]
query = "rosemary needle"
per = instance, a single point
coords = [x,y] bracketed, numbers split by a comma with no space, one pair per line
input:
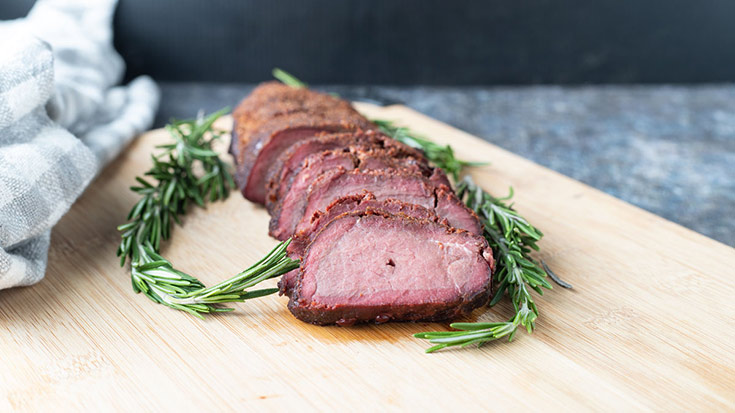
[555,277]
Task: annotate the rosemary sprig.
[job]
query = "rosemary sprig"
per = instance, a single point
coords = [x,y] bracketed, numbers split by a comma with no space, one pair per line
[512,239]
[186,171]
[155,277]
[177,184]
[441,156]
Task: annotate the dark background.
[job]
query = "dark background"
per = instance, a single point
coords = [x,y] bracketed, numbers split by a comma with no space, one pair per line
[431,42]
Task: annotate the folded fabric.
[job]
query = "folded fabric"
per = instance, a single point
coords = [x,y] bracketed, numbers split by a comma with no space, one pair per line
[61,120]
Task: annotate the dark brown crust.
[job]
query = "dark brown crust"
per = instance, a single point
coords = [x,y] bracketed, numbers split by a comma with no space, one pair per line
[273,108]
[278,179]
[322,315]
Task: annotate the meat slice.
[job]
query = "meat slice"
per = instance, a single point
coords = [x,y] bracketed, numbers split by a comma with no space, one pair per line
[353,203]
[330,162]
[280,175]
[273,118]
[295,215]
[366,266]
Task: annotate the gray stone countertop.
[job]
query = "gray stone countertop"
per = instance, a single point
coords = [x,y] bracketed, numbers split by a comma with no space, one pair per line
[669,150]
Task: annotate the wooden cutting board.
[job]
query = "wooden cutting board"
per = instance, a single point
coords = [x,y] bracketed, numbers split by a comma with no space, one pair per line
[650,323]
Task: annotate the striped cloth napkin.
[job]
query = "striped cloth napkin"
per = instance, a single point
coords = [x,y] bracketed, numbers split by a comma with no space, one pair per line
[61,120]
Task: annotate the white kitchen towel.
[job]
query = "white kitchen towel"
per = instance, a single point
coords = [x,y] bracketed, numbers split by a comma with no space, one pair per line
[62,118]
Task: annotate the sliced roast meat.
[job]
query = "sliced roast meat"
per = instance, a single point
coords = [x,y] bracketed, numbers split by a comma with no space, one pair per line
[353,203]
[411,188]
[280,174]
[335,161]
[272,119]
[380,233]
[376,267]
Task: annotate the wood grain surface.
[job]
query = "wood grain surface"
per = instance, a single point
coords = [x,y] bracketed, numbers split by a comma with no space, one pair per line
[649,325]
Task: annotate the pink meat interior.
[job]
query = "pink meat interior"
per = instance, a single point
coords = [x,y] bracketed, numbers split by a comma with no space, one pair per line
[372,261]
